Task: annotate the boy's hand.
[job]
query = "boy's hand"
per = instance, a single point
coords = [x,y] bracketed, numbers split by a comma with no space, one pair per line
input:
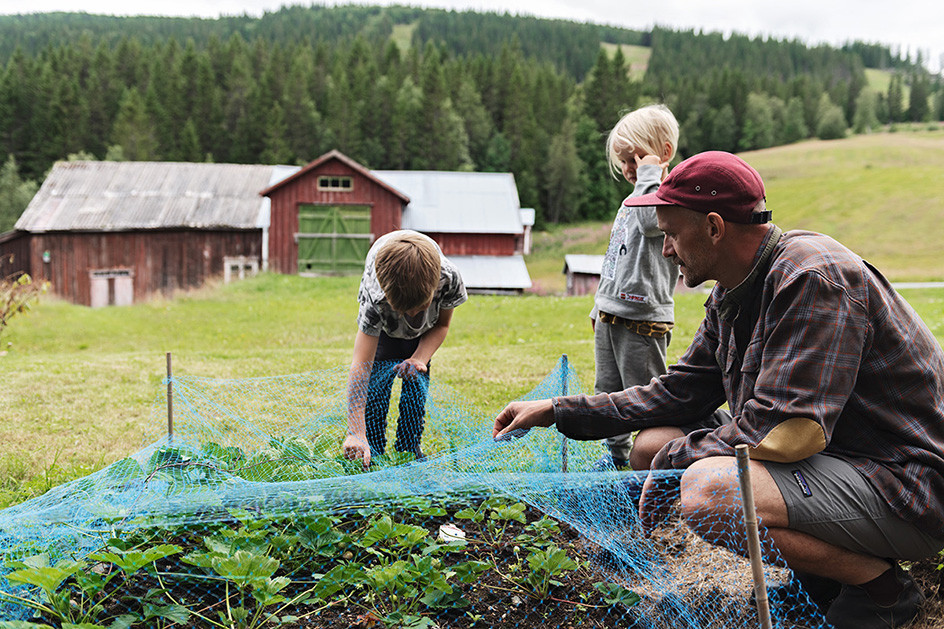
[650,159]
[355,447]
[409,368]
[522,416]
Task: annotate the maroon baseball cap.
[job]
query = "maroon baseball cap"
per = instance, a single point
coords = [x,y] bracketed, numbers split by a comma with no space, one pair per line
[713,181]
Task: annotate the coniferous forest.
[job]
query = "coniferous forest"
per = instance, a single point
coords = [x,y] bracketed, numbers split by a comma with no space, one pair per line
[409,88]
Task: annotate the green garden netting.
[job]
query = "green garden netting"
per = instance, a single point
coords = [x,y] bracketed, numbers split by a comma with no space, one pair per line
[249,517]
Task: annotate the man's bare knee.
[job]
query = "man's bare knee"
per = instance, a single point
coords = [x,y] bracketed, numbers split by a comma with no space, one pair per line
[647,444]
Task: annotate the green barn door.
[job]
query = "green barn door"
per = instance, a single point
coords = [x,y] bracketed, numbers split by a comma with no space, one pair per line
[333,238]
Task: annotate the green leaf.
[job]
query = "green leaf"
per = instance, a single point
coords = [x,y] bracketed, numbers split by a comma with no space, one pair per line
[468,572]
[124,622]
[174,613]
[34,561]
[552,561]
[382,528]
[339,578]
[46,578]
[124,469]
[200,560]
[131,561]
[21,624]
[614,594]
[469,514]
[245,568]
[510,512]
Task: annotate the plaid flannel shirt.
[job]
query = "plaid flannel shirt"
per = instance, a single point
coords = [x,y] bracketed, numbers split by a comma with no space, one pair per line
[833,342]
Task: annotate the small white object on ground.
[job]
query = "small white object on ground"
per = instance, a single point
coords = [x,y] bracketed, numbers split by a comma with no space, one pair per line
[450,533]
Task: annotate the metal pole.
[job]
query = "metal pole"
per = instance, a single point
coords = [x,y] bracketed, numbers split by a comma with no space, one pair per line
[564,369]
[170,402]
[753,539]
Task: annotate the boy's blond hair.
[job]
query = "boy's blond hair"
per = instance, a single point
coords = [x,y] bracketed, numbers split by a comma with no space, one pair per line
[408,269]
[647,128]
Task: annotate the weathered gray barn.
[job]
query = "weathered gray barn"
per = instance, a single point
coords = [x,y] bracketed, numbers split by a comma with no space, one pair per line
[111,233]
[583,273]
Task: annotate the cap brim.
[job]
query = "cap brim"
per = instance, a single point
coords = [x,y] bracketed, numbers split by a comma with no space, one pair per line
[646,200]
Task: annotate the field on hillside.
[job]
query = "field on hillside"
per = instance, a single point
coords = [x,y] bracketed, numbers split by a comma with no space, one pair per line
[80,383]
[879,194]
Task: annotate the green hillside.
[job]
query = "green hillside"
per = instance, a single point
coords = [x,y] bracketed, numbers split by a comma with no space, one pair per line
[879,194]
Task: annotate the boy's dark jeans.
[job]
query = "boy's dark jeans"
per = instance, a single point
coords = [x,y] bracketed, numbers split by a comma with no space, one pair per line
[390,352]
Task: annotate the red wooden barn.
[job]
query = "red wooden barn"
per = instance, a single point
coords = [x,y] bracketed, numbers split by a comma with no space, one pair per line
[325,216]
[112,233]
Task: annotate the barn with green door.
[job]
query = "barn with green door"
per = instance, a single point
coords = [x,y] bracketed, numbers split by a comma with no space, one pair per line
[325,217]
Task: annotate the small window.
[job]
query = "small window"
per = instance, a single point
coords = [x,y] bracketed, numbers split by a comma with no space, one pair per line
[335,184]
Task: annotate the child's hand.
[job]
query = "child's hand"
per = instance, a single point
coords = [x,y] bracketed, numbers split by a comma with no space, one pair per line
[654,160]
[356,447]
[409,368]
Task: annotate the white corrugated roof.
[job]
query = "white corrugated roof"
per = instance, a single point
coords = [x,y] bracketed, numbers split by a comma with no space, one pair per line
[460,202]
[114,196]
[493,272]
[582,263]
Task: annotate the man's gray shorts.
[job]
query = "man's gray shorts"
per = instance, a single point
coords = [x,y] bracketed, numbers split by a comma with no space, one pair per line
[831,500]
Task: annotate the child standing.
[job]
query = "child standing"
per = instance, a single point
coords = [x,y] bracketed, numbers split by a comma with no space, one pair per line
[407,295]
[633,310]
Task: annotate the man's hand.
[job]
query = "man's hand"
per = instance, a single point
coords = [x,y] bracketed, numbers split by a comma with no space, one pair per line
[355,447]
[523,416]
[409,368]
[659,493]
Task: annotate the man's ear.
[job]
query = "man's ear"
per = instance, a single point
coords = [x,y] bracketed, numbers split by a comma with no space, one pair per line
[715,226]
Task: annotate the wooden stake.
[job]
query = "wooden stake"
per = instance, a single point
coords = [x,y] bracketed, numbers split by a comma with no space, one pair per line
[564,369]
[753,539]
[170,403]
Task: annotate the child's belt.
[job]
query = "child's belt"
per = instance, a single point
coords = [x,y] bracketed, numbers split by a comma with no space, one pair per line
[643,328]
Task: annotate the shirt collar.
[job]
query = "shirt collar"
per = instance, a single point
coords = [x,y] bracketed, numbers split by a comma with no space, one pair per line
[734,298]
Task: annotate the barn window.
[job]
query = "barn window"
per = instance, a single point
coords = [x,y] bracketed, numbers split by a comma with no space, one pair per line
[239,267]
[335,184]
[111,287]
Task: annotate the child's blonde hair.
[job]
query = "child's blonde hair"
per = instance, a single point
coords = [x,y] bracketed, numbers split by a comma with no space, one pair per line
[408,268]
[647,128]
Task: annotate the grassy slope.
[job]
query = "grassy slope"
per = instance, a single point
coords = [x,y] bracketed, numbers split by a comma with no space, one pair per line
[79,384]
[878,194]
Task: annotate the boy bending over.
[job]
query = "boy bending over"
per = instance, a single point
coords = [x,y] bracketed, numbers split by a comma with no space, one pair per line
[407,295]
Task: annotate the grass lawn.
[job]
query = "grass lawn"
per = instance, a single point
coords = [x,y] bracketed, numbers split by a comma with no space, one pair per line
[80,385]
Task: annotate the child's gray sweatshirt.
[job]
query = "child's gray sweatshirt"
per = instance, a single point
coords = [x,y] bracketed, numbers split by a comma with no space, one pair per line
[636,282]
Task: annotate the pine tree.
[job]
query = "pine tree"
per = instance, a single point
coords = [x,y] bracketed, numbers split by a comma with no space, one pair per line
[895,100]
[189,143]
[601,193]
[758,131]
[404,131]
[133,130]
[276,150]
[831,123]
[794,122]
[15,194]
[497,155]
[918,108]
[865,119]
[563,176]
[478,125]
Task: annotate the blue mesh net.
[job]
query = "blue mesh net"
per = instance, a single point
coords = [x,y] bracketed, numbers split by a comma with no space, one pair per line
[247,514]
